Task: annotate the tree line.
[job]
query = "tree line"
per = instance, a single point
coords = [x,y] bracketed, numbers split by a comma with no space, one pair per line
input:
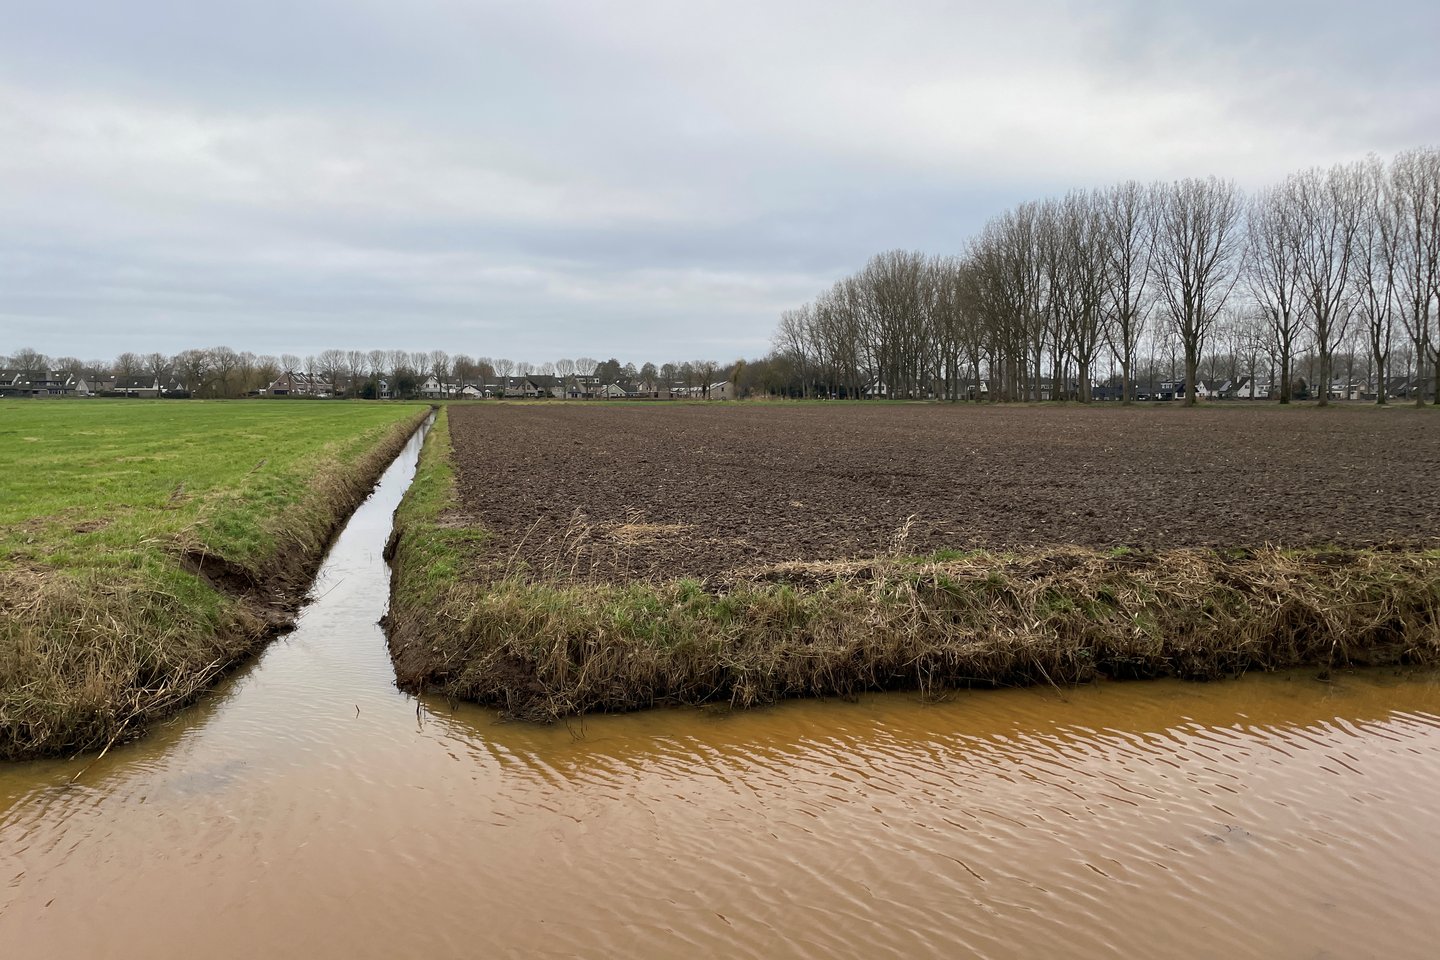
[222,372]
[1331,264]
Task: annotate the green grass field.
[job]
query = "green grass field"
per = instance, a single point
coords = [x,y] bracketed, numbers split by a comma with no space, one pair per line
[105,509]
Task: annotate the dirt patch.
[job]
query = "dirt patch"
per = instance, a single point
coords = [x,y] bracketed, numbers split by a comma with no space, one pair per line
[606,492]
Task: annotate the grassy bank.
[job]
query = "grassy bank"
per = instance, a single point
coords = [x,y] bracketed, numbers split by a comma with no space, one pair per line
[147,547]
[541,646]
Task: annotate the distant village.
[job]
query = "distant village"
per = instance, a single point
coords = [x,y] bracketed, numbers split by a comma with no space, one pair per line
[531,387]
[308,385]
[419,376]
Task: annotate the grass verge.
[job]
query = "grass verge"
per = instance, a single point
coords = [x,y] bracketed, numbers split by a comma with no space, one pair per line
[149,547]
[542,647]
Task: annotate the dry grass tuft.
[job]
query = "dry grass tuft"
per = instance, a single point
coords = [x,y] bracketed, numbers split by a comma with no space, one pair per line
[636,534]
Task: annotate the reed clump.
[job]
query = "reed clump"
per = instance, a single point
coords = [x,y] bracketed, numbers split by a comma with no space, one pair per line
[542,645]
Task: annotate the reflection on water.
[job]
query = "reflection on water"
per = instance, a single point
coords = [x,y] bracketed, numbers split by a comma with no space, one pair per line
[311,810]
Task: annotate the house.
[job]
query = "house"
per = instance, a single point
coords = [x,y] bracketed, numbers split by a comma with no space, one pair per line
[16,383]
[1114,391]
[1252,389]
[1221,388]
[1408,388]
[723,390]
[1343,389]
[584,387]
[146,387]
[1170,390]
[543,385]
[94,386]
[293,383]
[973,390]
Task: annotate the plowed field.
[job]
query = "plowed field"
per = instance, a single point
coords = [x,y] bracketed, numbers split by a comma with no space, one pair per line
[616,492]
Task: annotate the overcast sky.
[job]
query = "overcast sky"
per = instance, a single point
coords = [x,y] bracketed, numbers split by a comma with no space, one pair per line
[646,180]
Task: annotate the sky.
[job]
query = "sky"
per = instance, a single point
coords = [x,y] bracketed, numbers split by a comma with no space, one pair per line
[648,180]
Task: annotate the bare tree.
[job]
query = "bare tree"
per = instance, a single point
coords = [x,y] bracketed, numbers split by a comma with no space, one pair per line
[195,370]
[245,372]
[223,361]
[156,365]
[128,365]
[375,366]
[1197,256]
[68,366]
[1129,227]
[1373,276]
[1415,179]
[30,363]
[463,369]
[356,363]
[331,365]
[1273,272]
[565,370]
[267,370]
[503,367]
[1329,206]
[792,338]
[704,373]
[1083,268]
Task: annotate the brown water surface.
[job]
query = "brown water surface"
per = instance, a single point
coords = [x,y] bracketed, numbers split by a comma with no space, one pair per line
[311,810]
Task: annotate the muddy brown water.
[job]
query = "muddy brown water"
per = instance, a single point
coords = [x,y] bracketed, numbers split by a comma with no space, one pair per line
[309,809]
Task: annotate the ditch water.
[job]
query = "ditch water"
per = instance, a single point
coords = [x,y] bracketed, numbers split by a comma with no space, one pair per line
[310,809]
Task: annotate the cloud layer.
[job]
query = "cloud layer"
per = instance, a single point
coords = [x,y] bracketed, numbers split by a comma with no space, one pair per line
[648,180]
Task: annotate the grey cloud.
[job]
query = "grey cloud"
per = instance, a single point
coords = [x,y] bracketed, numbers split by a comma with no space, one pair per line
[647,179]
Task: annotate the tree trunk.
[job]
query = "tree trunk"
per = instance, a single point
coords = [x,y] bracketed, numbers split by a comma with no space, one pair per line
[1420,371]
[1325,377]
[1436,365]
[1192,364]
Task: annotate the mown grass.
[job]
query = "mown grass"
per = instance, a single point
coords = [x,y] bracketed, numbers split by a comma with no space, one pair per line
[147,546]
[542,646]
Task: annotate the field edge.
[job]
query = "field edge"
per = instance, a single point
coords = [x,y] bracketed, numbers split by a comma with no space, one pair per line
[542,648]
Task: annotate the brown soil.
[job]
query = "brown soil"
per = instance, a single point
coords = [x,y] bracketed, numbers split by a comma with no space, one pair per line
[602,491]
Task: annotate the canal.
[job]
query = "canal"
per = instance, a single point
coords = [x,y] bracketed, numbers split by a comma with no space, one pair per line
[308,808]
